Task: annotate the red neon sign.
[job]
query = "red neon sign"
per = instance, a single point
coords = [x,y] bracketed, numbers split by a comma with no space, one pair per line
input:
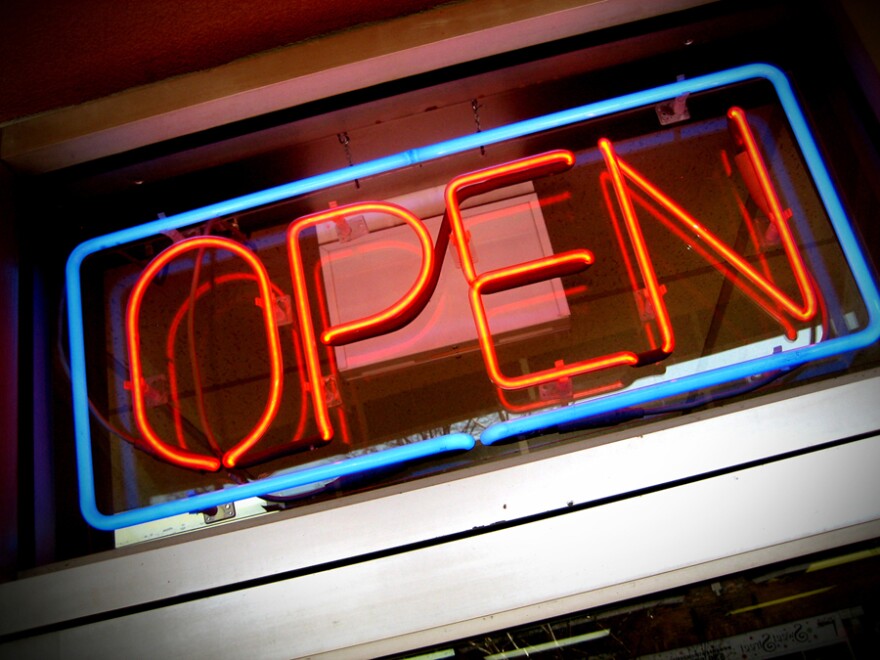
[617,177]
[182,456]
[297,438]
[385,321]
[619,169]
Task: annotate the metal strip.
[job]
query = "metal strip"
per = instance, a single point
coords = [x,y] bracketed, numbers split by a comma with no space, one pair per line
[315,69]
[308,540]
[517,568]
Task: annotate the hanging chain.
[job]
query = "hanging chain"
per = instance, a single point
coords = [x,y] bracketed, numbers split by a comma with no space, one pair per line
[475,106]
[345,141]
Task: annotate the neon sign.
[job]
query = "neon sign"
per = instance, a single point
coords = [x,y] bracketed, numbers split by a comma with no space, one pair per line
[182,456]
[793,301]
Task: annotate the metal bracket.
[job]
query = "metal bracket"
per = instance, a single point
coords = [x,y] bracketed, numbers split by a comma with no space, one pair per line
[674,111]
[348,229]
[155,390]
[646,305]
[222,512]
[283,310]
[557,390]
[332,397]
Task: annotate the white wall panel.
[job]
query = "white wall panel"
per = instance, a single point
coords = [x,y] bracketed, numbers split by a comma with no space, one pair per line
[455,583]
[510,569]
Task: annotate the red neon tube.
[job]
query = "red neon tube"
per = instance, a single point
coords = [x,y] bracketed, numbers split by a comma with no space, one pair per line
[342,423]
[474,183]
[520,275]
[172,338]
[802,312]
[753,293]
[298,434]
[808,310]
[391,318]
[183,457]
[753,236]
[605,181]
[387,320]
[640,249]
[419,305]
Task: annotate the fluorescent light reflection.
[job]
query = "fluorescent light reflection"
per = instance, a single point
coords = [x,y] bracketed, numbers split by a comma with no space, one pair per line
[434,655]
[843,559]
[549,646]
[781,601]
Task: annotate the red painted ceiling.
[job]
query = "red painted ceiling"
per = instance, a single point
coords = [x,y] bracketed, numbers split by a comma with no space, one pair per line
[55,53]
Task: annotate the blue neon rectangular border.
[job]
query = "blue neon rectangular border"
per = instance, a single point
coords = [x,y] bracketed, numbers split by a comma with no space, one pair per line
[499,432]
